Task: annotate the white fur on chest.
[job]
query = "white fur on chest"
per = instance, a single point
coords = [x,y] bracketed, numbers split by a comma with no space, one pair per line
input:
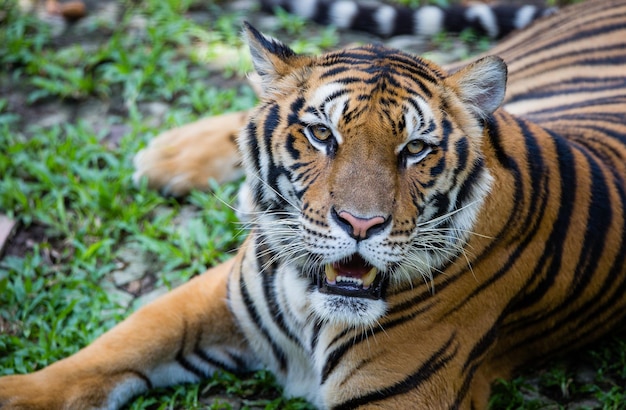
[289,333]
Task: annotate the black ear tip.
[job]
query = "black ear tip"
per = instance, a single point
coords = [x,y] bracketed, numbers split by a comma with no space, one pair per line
[250,29]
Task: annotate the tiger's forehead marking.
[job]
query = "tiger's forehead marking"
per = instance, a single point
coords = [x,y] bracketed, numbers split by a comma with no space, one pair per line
[329,102]
[330,99]
[326,105]
[375,61]
[420,120]
[373,83]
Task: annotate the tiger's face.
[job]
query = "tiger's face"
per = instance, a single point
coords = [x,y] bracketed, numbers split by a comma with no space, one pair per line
[365,169]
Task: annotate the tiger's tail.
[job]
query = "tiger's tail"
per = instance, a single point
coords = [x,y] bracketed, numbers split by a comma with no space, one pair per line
[387,20]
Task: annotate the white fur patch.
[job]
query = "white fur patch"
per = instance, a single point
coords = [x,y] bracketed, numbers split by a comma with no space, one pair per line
[483,14]
[385,19]
[137,162]
[291,288]
[124,391]
[171,373]
[245,203]
[323,93]
[342,13]
[428,20]
[304,8]
[524,16]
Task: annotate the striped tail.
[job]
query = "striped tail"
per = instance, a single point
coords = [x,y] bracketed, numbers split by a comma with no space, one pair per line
[391,20]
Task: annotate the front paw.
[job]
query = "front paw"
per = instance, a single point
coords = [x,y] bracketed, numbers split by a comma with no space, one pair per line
[188,157]
[69,389]
[28,392]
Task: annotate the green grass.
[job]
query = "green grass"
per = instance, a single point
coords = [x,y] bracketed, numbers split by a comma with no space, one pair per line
[73,192]
[596,378]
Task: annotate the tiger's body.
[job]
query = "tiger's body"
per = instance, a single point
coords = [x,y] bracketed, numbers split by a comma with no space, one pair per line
[411,241]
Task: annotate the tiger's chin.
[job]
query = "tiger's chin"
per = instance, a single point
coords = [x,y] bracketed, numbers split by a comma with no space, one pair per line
[348,311]
[350,293]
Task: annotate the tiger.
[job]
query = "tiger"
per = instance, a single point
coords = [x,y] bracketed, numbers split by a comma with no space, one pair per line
[417,231]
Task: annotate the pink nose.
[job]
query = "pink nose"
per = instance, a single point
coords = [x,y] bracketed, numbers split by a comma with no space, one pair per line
[360,228]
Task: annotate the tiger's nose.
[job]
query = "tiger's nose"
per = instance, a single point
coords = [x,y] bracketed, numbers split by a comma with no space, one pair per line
[359,228]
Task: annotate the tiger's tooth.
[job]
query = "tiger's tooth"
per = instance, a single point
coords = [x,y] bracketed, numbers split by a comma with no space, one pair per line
[369,277]
[331,273]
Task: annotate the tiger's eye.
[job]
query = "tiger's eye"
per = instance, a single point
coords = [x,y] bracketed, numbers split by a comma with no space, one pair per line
[415,147]
[321,132]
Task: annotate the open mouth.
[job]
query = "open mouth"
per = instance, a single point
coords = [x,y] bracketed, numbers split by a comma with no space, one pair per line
[353,277]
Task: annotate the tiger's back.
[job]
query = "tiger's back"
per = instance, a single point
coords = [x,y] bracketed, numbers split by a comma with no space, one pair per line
[570,63]
[567,75]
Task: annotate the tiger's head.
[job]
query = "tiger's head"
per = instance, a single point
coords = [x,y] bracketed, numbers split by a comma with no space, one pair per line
[365,168]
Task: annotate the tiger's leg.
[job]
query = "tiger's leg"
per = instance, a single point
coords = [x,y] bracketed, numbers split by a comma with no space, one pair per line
[181,337]
[187,157]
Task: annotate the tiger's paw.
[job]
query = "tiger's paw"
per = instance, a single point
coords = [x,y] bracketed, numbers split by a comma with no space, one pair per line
[35,392]
[51,390]
[188,157]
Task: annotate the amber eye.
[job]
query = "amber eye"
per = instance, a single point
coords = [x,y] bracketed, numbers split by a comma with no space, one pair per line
[415,147]
[414,151]
[320,132]
[321,138]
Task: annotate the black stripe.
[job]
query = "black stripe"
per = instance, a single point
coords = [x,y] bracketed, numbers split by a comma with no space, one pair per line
[480,349]
[333,359]
[317,327]
[475,176]
[551,258]
[537,200]
[576,85]
[294,111]
[253,145]
[331,72]
[410,383]
[268,274]
[413,102]
[212,361]
[598,224]
[240,362]
[272,119]
[256,319]
[252,149]
[575,35]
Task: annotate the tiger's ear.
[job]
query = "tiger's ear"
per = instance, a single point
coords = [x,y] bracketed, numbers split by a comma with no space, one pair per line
[271,58]
[481,85]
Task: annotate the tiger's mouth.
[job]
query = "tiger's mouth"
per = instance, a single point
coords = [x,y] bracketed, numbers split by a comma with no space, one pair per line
[353,277]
